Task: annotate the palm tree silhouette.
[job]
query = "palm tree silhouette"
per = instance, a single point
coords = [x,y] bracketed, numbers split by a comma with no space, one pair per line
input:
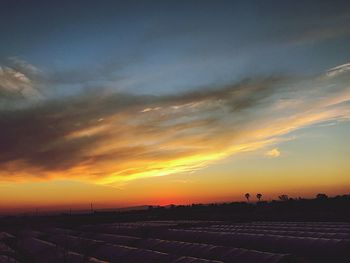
[259,196]
[247,195]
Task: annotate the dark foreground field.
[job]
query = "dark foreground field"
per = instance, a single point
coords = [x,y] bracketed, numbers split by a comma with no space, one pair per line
[181,242]
[160,237]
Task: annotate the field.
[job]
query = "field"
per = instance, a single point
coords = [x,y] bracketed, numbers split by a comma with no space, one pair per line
[180,241]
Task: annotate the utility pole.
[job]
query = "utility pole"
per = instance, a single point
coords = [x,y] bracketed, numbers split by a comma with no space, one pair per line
[92,210]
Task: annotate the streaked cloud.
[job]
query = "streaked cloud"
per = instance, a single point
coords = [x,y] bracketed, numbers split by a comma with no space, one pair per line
[338,70]
[110,137]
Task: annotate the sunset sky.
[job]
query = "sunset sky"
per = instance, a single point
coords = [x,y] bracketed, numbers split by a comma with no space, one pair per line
[124,103]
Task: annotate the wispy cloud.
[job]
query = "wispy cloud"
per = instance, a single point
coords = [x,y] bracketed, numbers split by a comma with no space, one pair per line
[111,137]
[16,88]
[338,70]
[273,153]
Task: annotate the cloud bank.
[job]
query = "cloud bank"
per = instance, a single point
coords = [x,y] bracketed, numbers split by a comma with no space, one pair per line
[108,137]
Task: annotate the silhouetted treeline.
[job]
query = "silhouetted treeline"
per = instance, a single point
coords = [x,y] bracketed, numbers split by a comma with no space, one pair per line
[321,208]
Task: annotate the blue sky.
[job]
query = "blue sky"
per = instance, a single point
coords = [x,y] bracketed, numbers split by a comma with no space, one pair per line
[163,47]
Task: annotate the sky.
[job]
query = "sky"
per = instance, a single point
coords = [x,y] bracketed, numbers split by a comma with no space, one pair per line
[124,103]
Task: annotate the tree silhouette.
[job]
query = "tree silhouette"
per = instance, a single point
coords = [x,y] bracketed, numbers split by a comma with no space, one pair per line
[284,197]
[258,196]
[247,195]
[321,196]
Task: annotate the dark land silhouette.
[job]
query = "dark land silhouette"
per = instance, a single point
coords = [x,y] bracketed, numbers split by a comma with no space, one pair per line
[283,230]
